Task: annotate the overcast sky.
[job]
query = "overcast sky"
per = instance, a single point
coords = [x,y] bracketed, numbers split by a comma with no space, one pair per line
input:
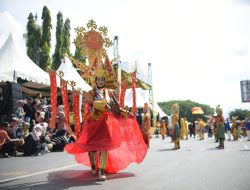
[199,49]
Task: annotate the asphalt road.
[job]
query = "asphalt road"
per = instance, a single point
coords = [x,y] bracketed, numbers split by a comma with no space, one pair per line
[197,165]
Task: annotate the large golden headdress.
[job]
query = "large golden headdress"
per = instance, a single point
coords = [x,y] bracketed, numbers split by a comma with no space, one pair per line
[92,44]
[218,110]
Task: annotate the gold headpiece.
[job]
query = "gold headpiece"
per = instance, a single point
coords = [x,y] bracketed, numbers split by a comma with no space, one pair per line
[100,72]
[92,43]
[175,108]
[219,110]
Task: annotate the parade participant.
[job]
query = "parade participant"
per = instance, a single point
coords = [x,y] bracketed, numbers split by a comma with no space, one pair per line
[234,129]
[175,126]
[184,130]
[110,138]
[219,122]
[163,129]
[201,126]
[146,124]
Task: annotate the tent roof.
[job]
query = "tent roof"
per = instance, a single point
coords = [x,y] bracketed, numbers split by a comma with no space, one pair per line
[15,63]
[70,74]
[140,98]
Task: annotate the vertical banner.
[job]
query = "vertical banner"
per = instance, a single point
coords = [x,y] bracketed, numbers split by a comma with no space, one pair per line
[76,112]
[133,75]
[123,92]
[86,109]
[64,92]
[80,107]
[53,98]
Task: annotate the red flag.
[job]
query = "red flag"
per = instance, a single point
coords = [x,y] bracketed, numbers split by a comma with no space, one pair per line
[123,92]
[53,98]
[133,75]
[64,93]
[76,112]
[86,109]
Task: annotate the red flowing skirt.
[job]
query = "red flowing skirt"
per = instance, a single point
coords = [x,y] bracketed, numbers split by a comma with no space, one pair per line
[121,137]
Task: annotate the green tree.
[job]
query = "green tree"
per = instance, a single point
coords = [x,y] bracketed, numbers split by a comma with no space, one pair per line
[186,109]
[46,39]
[33,39]
[58,54]
[240,114]
[78,56]
[66,37]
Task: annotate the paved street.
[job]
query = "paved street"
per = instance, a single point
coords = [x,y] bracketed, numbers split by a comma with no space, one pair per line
[197,165]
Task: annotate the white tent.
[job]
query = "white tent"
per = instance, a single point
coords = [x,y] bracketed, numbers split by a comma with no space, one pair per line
[159,111]
[15,63]
[70,74]
[140,98]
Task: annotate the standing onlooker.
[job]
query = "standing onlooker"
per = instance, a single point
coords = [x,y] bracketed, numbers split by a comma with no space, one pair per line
[28,110]
[139,118]
[248,129]
[61,122]
[228,129]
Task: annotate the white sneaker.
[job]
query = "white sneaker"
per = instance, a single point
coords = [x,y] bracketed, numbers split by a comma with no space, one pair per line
[102,175]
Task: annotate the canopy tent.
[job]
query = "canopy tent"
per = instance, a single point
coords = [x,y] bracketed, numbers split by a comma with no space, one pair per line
[158,110]
[14,63]
[70,74]
[140,98]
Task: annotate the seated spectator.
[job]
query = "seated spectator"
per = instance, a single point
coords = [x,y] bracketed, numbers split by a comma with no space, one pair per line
[8,146]
[59,140]
[33,145]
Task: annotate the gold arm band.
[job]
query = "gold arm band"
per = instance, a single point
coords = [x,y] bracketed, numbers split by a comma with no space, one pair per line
[100,105]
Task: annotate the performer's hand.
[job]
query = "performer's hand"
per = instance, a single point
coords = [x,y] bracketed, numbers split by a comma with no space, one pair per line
[108,107]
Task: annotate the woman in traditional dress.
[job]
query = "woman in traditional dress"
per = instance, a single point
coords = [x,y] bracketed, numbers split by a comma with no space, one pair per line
[110,139]
[219,122]
[146,124]
[163,129]
[175,125]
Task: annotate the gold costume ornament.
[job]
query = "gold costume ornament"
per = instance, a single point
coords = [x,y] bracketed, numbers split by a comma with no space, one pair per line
[92,45]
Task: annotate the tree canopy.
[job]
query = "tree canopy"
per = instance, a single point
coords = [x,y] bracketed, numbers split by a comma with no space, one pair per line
[186,109]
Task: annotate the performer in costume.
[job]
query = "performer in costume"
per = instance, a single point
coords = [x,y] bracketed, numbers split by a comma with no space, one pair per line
[219,122]
[146,124]
[175,125]
[163,129]
[201,126]
[110,139]
[234,129]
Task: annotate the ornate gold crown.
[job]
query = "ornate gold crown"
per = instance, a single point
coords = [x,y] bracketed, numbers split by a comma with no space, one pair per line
[100,72]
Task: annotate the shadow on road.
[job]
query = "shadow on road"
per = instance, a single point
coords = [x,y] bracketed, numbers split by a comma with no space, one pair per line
[166,149]
[65,179]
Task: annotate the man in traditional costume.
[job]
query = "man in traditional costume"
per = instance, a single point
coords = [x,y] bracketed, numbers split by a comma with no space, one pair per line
[201,127]
[175,126]
[163,129]
[146,124]
[234,129]
[219,122]
[109,135]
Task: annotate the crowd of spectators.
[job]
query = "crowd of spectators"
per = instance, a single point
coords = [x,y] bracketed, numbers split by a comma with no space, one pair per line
[28,131]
